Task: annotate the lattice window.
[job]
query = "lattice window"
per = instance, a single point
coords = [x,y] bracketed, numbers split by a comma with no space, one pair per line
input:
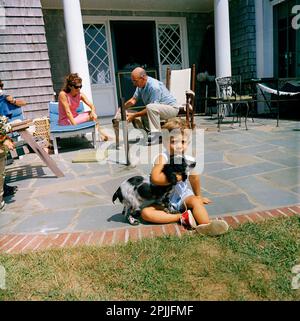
[170,44]
[97,53]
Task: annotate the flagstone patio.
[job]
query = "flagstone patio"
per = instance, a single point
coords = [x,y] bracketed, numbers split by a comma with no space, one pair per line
[244,172]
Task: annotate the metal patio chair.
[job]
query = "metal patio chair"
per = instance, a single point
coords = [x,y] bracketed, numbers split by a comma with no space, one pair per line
[230,101]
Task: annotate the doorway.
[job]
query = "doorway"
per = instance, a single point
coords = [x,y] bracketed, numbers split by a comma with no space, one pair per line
[286,41]
[134,44]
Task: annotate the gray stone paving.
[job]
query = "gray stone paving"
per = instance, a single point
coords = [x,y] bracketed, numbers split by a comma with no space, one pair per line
[244,171]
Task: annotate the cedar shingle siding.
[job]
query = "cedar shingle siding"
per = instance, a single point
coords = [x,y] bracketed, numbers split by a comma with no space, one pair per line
[24,60]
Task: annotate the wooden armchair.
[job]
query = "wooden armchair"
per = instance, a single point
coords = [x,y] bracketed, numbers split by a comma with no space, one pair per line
[181,83]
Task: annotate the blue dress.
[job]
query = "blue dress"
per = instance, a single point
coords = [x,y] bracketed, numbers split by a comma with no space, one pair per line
[6,107]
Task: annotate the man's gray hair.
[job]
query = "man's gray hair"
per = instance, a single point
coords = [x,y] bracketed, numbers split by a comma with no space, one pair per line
[143,73]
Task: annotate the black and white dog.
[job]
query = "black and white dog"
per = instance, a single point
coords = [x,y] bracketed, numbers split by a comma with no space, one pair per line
[138,192]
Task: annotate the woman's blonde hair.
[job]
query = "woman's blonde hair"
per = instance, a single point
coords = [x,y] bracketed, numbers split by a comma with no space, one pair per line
[71,80]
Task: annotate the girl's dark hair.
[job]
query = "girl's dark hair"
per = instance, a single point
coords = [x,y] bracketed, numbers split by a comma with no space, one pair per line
[71,80]
[1,84]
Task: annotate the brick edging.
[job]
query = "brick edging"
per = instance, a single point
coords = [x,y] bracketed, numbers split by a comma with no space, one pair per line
[21,243]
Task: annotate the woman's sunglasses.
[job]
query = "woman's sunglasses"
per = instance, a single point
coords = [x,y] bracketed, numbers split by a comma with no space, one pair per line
[76,87]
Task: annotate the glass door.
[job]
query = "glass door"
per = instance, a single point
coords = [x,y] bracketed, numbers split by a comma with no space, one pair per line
[171,47]
[100,68]
[286,41]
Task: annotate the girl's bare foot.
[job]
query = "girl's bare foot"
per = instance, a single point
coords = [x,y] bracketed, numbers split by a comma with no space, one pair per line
[104,137]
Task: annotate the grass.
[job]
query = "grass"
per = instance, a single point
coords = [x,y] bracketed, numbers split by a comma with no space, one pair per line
[253,262]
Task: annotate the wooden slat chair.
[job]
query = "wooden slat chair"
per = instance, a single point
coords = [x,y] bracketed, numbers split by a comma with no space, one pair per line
[57,130]
[181,83]
[126,90]
[26,143]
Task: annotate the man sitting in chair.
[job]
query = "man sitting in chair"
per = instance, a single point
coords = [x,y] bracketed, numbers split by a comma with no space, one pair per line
[160,104]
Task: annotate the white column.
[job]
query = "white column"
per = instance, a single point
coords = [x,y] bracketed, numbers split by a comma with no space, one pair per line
[222,38]
[76,44]
[264,46]
[264,39]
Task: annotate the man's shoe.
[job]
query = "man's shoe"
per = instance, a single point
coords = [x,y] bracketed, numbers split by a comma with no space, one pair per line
[214,228]
[187,219]
[154,138]
[9,190]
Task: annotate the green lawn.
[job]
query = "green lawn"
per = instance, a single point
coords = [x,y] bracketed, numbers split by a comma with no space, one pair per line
[253,262]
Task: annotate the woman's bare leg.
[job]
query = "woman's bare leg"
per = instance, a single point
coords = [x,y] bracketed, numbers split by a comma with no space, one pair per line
[102,135]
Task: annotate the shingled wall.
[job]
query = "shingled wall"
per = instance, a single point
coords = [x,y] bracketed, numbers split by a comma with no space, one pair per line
[243,38]
[24,60]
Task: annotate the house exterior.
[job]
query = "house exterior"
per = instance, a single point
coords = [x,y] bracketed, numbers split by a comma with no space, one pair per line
[24,61]
[98,39]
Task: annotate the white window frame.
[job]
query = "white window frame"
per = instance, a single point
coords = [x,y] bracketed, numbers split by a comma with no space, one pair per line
[105,22]
[183,39]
